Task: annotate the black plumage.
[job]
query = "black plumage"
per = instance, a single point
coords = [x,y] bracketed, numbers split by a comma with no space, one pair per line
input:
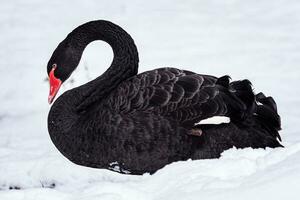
[138,123]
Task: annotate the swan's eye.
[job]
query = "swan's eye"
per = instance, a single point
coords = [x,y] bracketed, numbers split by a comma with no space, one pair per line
[54,66]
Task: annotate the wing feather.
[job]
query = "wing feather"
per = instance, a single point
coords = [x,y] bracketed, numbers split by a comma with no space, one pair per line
[181,95]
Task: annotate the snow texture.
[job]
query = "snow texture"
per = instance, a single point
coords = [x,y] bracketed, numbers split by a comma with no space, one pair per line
[258,40]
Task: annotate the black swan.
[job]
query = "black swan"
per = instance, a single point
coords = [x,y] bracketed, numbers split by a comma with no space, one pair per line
[138,123]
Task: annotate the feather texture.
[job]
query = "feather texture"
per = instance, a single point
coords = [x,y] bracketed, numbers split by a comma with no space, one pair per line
[183,96]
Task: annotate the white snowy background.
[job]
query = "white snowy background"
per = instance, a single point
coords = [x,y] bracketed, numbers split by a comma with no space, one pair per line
[257,39]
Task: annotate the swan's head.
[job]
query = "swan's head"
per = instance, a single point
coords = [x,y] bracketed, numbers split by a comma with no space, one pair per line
[62,63]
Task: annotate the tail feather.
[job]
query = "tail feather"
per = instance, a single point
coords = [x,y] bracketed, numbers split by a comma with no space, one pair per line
[243,103]
[243,90]
[224,81]
[268,101]
[267,115]
[254,122]
[249,109]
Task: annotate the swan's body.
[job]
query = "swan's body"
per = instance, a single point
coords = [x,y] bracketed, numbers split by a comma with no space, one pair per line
[141,122]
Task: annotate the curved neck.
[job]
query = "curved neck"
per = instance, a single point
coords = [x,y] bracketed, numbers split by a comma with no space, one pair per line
[124,64]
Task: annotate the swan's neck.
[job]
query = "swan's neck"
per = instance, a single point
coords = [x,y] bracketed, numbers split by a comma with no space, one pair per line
[125,61]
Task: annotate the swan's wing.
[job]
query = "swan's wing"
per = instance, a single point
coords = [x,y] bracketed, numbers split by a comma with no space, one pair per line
[181,95]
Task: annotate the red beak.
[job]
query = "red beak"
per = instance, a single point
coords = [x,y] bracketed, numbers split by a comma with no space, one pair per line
[55,84]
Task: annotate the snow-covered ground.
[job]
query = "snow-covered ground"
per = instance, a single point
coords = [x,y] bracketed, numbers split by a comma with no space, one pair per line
[258,40]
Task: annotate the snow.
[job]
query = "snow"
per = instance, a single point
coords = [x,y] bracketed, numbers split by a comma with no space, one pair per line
[258,40]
